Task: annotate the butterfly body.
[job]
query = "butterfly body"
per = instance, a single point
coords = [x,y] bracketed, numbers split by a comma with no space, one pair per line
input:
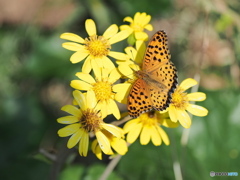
[156,80]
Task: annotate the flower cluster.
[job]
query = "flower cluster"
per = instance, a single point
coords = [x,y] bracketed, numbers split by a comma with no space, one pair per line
[101,86]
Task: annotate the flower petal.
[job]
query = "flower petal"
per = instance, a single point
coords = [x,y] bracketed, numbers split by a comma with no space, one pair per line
[156,138]
[197,110]
[81,85]
[73,46]
[72,110]
[67,120]
[145,135]
[184,118]
[112,129]
[83,145]
[148,27]
[103,142]
[112,106]
[86,68]
[118,55]
[130,125]
[187,83]
[128,19]
[78,56]
[119,145]
[172,113]
[91,99]
[107,63]
[90,27]
[111,31]
[68,130]
[114,76]
[80,98]
[75,138]
[86,77]
[119,36]
[96,149]
[164,136]
[141,36]
[196,96]
[72,37]
[134,133]
[122,91]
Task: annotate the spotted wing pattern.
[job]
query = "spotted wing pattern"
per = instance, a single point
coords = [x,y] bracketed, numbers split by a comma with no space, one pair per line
[156,81]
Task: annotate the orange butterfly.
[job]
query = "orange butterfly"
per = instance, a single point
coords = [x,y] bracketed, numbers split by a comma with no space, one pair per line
[156,81]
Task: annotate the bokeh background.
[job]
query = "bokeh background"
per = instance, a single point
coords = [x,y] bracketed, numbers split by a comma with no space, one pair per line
[35,73]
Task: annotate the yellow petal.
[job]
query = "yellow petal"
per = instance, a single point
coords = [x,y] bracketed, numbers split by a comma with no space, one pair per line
[164,136]
[130,125]
[73,46]
[74,139]
[126,27]
[146,20]
[122,91]
[96,149]
[68,130]
[90,27]
[86,77]
[126,70]
[145,135]
[91,99]
[78,56]
[114,109]
[81,85]
[172,113]
[112,30]
[96,70]
[103,142]
[114,76]
[86,68]
[149,27]
[107,63]
[72,37]
[156,138]
[67,120]
[196,96]
[94,145]
[80,98]
[72,110]
[118,55]
[141,36]
[112,129]
[134,133]
[128,19]
[169,123]
[119,36]
[197,110]
[184,118]
[187,83]
[83,145]
[119,145]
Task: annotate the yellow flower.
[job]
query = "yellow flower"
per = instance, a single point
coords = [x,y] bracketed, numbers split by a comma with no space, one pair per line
[147,126]
[84,120]
[95,48]
[181,102]
[102,86]
[128,69]
[137,25]
[118,144]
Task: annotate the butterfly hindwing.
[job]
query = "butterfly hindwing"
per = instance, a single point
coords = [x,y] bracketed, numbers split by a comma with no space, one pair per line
[139,100]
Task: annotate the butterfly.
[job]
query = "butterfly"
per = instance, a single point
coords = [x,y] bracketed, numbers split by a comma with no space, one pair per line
[156,81]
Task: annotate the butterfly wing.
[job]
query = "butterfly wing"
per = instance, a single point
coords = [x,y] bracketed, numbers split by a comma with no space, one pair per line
[157,52]
[139,100]
[162,74]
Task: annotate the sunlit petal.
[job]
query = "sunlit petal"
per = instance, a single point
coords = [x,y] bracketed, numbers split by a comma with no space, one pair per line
[103,142]
[187,83]
[78,56]
[118,55]
[145,135]
[112,30]
[164,136]
[196,96]
[184,118]
[67,120]
[72,37]
[75,138]
[133,135]
[72,110]
[197,110]
[68,130]
[90,27]
[81,85]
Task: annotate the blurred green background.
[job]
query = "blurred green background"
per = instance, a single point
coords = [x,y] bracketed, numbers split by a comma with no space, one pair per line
[35,73]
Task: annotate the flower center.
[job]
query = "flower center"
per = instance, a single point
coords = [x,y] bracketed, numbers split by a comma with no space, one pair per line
[97,46]
[137,27]
[149,119]
[103,90]
[91,120]
[180,99]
